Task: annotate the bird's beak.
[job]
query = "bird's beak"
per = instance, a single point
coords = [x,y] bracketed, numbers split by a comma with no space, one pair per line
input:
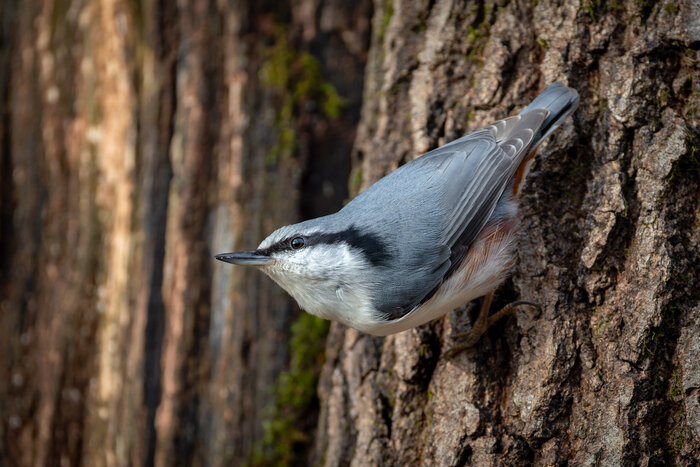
[246,258]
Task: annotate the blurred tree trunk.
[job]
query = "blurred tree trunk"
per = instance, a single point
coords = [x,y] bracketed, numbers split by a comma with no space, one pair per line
[137,139]
[608,373]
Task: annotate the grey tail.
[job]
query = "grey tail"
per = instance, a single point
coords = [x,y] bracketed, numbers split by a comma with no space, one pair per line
[560,101]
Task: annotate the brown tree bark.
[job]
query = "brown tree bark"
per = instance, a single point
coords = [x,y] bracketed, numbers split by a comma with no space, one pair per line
[137,139]
[608,373]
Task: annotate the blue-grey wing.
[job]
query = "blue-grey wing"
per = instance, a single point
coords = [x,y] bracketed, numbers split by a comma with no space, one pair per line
[435,206]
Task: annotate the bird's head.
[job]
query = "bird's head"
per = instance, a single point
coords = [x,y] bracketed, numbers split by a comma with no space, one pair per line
[316,261]
[292,251]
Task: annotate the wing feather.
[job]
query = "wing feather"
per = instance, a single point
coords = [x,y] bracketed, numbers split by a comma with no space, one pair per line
[468,177]
[456,188]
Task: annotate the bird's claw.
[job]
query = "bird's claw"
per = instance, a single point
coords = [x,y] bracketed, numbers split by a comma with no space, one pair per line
[483,323]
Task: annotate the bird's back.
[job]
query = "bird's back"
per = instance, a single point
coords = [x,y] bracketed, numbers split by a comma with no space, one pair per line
[431,209]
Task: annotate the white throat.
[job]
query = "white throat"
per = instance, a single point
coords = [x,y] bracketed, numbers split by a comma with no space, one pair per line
[319,279]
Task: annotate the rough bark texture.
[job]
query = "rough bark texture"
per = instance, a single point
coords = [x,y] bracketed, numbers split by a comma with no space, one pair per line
[607,374]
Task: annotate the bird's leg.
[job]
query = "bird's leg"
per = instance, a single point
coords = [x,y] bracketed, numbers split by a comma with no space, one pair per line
[510,309]
[484,322]
[481,324]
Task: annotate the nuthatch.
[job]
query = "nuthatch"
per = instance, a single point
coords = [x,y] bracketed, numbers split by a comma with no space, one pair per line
[429,237]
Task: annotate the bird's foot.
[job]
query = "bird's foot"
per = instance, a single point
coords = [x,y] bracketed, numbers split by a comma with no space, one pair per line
[483,323]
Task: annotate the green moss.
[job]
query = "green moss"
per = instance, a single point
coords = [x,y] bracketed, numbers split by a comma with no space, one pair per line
[419,27]
[589,7]
[671,441]
[671,8]
[664,96]
[274,72]
[602,106]
[676,441]
[297,386]
[473,34]
[689,58]
[678,433]
[692,155]
[386,18]
[294,394]
[542,43]
[614,6]
[690,107]
[58,19]
[675,391]
[136,7]
[298,79]
[653,454]
[423,350]
[650,342]
[356,182]
[477,36]
[603,325]
[470,116]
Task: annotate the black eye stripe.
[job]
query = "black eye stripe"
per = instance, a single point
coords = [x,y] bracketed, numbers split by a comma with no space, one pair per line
[371,246]
[283,245]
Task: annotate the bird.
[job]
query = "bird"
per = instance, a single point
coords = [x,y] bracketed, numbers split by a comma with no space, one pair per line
[429,237]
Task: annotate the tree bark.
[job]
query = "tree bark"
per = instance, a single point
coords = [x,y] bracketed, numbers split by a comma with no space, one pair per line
[138,139]
[607,373]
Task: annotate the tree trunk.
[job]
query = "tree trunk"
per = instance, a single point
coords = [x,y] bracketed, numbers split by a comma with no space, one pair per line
[608,373]
[138,139]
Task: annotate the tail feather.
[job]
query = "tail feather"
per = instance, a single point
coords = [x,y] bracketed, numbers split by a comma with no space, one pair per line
[560,101]
[552,106]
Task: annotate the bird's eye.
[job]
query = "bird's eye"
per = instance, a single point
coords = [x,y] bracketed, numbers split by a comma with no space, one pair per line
[297,242]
